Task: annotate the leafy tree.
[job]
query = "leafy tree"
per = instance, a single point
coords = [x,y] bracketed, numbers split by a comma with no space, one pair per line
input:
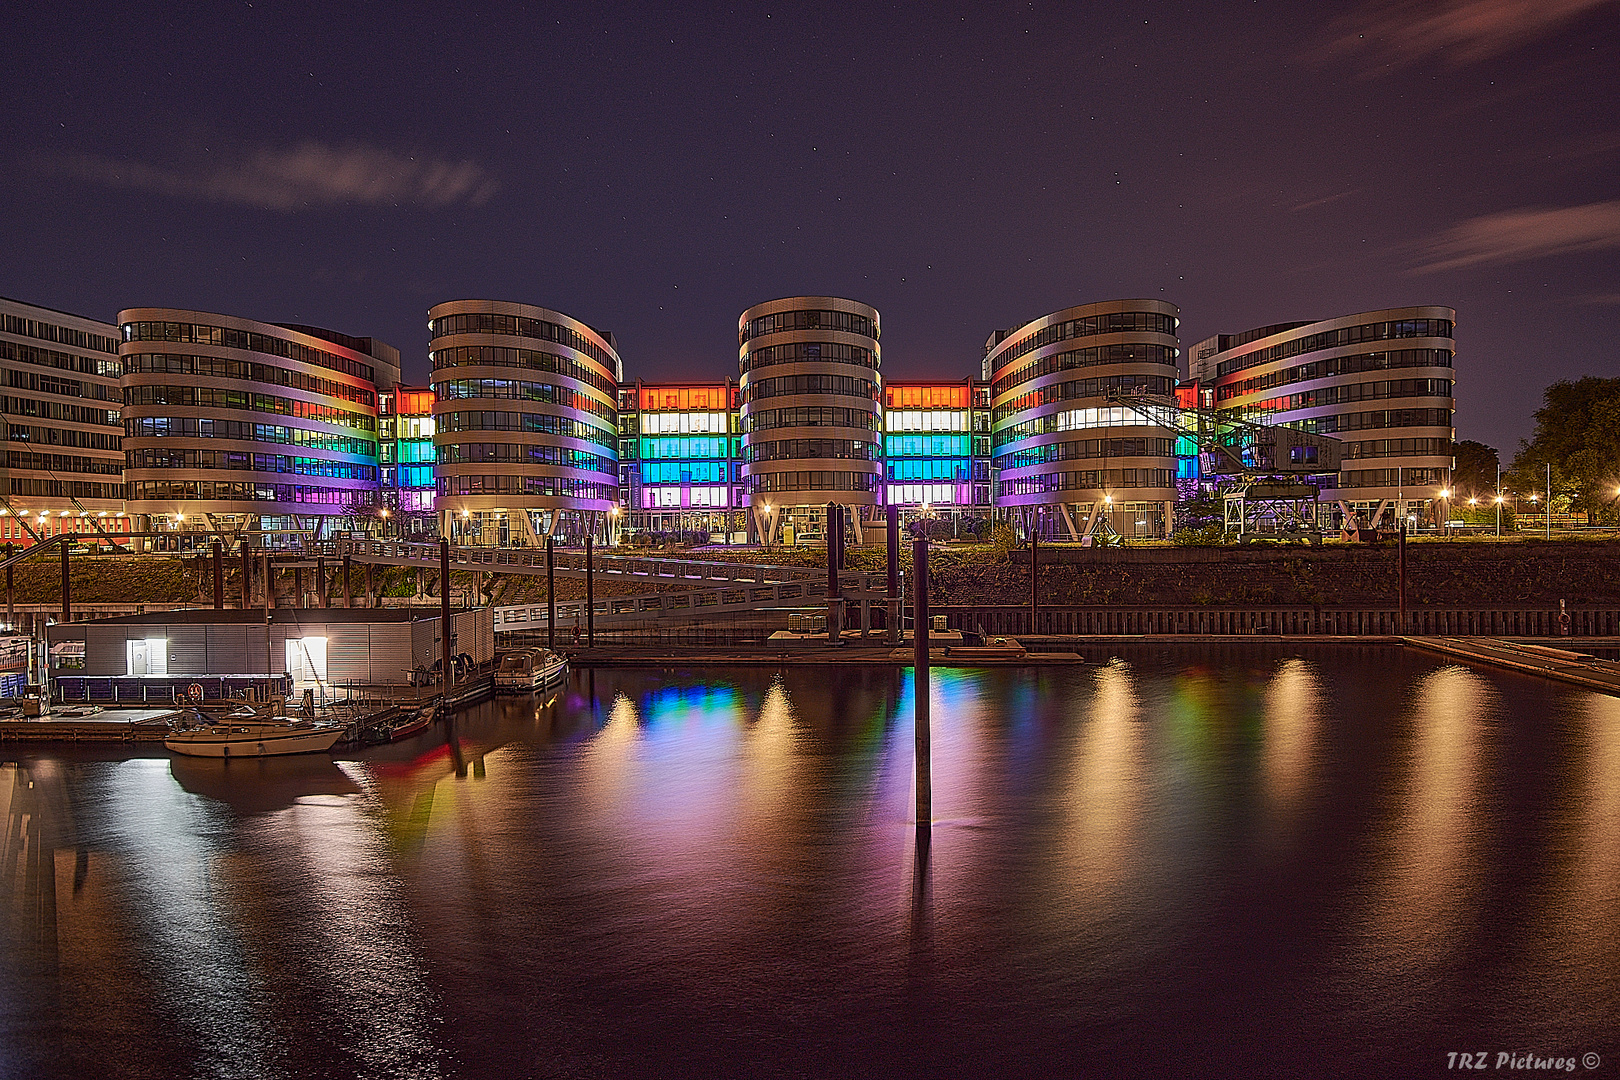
[1578,433]
[1474,475]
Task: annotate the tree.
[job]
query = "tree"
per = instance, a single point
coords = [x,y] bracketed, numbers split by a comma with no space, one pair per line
[1578,433]
[1474,475]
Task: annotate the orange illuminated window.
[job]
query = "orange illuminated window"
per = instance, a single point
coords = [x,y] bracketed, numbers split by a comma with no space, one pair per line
[415,402]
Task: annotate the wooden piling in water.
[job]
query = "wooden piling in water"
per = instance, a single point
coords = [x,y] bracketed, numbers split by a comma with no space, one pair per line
[445,680]
[67,592]
[923,745]
[247,575]
[1400,559]
[219,576]
[891,611]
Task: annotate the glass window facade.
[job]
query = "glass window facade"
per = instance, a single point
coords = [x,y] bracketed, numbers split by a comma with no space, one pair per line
[250,422]
[1124,347]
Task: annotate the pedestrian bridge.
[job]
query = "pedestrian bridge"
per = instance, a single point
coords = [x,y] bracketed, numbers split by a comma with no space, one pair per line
[717,588]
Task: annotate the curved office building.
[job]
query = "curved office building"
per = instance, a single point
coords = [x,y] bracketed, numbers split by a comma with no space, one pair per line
[810,385]
[526,428]
[249,423]
[1380,381]
[1066,457]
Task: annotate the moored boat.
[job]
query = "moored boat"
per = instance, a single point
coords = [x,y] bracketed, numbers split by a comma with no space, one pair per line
[413,723]
[528,670]
[252,738]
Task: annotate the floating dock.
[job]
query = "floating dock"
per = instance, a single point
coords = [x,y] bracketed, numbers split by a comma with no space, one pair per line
[79,724]
[1564,665]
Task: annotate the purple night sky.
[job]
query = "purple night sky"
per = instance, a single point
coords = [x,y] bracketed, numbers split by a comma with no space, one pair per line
[653,171]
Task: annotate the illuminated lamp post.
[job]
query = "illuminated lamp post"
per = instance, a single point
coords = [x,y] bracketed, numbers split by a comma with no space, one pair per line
[1498,498]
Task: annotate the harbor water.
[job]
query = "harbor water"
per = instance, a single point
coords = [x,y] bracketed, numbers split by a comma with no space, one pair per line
[1234,860]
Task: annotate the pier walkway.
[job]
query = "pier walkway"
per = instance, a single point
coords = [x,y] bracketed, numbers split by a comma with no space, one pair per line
[1564,665]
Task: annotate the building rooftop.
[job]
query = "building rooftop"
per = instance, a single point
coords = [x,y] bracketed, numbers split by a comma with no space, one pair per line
[278,616]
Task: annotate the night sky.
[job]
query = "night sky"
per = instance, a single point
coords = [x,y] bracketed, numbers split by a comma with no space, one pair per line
[655,170]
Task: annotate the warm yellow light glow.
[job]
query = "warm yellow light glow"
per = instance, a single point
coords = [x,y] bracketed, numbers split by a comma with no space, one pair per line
[466,513]
[1499,498]
[179,517]
[1445,493]
[383,511]
[1472,501]
[1109,499]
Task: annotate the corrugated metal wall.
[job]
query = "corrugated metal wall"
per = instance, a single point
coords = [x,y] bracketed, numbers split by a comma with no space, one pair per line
[188,648]
[228,651]
[391,653]
[475,634]
[425,643]
[104,650]
[348,653]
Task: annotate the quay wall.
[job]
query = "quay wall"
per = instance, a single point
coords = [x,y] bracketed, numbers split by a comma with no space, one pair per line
[1519,621]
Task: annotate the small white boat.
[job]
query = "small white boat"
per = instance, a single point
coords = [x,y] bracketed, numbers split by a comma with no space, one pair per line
[253,738]
[528,670]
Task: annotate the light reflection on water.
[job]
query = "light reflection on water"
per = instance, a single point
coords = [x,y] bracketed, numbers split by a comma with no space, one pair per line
[1357,859]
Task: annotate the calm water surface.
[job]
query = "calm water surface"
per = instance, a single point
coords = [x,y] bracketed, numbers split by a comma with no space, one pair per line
[1181,861]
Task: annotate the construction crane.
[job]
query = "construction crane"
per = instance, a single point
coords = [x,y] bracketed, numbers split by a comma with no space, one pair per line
[1258,469]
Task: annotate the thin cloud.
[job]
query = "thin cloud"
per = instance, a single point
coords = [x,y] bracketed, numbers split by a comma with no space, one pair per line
[1403,32]
[1519,235]
[1314,203]
[309,174]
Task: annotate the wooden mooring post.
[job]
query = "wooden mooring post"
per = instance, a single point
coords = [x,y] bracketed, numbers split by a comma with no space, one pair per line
[551,594]
[247,575]
[893,617]
[1400,560]
[1034,576]
[445,679]
[219,576]
[923,746]
[590,596]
